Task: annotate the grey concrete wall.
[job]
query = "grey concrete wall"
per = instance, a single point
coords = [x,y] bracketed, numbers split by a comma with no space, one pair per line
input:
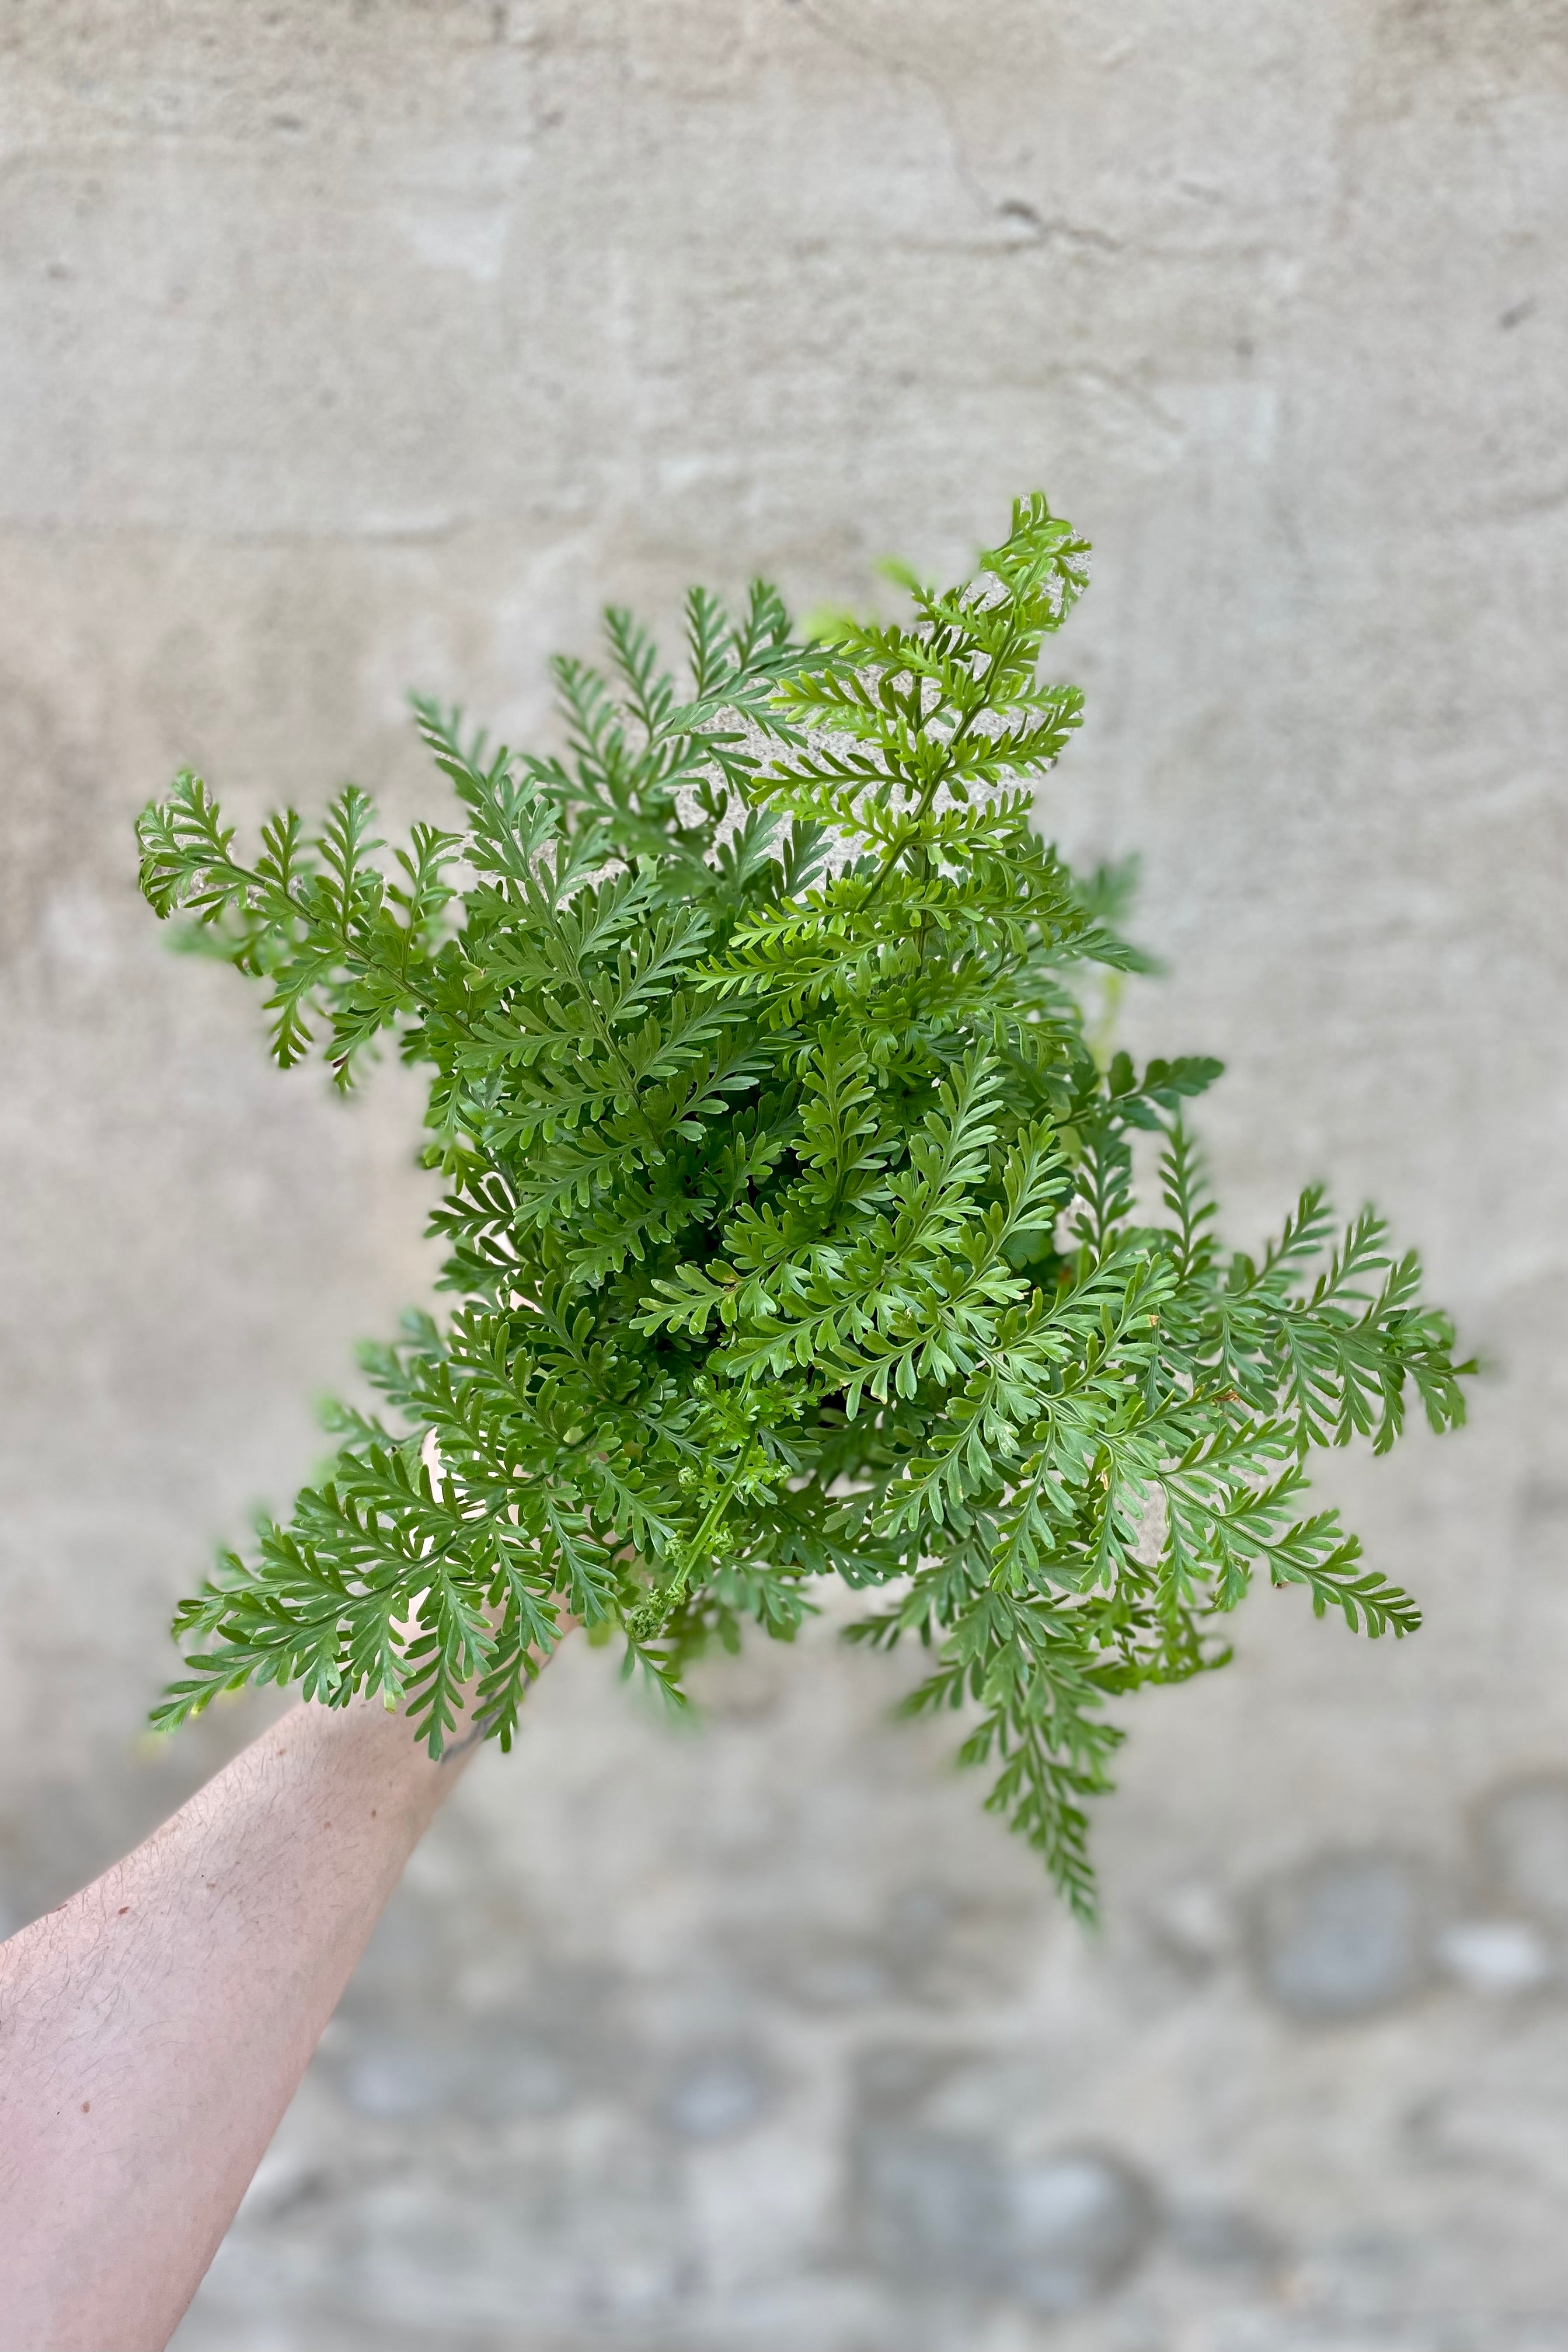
[351,346]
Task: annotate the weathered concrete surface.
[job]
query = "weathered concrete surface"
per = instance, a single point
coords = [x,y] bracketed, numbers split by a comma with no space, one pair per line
[350,346]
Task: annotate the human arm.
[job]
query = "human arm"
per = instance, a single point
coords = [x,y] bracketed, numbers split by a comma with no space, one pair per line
[153,2028]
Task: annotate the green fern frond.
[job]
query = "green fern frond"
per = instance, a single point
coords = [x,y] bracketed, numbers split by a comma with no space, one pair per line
[792,1226]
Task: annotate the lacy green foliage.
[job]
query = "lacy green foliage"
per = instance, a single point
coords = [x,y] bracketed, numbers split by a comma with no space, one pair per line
[790,1222]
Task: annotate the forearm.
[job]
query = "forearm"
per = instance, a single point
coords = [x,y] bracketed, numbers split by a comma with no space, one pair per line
[154,2029]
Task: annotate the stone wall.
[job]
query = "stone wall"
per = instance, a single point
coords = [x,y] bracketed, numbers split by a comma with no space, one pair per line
[350,346]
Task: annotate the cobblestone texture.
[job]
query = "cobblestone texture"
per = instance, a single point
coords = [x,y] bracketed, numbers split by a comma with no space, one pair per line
[350,346]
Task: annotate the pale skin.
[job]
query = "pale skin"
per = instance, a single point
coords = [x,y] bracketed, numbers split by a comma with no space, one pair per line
[153,2028]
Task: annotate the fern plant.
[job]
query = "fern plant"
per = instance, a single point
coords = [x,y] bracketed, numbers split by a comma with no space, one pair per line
[790,1222]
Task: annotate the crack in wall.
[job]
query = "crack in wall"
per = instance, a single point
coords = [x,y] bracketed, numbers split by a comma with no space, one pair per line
[1044,229]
